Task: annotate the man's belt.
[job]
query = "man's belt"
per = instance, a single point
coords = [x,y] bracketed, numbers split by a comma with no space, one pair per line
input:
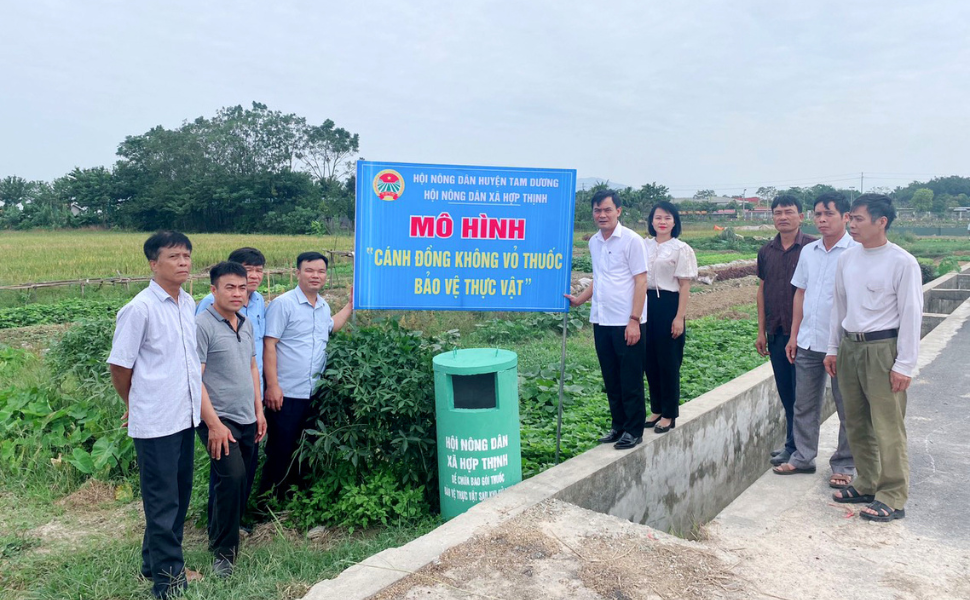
[872,336]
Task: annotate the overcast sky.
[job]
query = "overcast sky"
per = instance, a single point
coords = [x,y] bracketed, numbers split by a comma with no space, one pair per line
[700,94]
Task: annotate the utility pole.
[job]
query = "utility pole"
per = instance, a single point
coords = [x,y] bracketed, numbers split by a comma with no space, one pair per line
[862,186]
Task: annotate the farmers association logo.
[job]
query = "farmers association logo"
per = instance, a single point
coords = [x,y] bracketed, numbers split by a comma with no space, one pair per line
[389,185]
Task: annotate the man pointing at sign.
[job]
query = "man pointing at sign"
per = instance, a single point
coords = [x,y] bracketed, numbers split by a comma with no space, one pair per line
[618,317]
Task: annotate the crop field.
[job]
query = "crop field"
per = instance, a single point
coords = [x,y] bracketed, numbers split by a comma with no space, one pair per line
[33,256]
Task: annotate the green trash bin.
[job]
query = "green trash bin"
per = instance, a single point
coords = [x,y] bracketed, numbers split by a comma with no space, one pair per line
[477,407]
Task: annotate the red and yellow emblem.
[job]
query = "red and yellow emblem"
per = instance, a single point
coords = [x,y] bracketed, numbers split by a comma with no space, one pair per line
[388,185]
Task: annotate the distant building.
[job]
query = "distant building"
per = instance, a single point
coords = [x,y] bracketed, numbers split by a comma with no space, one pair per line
[961,212]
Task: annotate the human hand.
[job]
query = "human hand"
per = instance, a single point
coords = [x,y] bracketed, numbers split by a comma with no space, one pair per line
[274,397]
[677,327]
[573,300]
[899,382]
[219,439]
[632,333]
[260,425]
[791,348]
[761,344]
[829,363]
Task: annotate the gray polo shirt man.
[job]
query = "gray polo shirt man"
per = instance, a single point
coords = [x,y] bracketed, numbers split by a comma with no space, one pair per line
[227,356]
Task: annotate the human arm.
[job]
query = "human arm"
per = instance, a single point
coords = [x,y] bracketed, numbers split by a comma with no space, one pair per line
[632,333]
[797,312]
[219,434]
[274,393]
[121,380]
[582,298]
[340,319]
[260,417]
[909,301]
[839,307]
[761,344]
[679,324]
[130,331]
[685,272]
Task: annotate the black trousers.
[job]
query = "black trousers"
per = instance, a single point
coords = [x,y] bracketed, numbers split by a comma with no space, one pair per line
[250,479]
[284,428]
[622,368]
[785,382]
[664,354]
[165,471]
[227,500]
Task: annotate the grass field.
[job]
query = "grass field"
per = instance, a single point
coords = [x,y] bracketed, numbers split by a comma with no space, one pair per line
[33,256]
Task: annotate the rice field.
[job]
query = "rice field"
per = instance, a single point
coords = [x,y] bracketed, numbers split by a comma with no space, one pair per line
[36,256]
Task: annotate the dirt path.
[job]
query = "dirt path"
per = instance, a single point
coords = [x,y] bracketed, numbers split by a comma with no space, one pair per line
[557,550]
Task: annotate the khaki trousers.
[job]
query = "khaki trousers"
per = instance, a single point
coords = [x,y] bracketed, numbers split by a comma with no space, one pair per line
[874,420]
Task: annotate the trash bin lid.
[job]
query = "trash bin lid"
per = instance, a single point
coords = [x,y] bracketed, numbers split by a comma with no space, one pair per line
[473,361]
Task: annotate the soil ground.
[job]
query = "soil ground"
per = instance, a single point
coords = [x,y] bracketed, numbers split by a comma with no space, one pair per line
[557,550]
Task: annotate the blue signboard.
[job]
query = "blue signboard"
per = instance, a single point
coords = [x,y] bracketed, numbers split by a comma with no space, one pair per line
[448,237]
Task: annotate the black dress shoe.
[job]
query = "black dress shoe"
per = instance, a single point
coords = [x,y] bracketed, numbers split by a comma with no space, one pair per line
[611,437]
[627,441]
[661,429]
[649,424]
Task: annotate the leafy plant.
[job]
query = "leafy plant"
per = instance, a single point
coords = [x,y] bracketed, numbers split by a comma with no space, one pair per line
[82,352]
[927,270]
[583,264]
[64,311]
[523,326]
[375,414]
[381,499]
[948,264]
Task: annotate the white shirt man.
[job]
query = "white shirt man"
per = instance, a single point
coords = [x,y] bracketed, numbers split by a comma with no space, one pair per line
[619,294]
[156,371]
[814,282]
[873,347]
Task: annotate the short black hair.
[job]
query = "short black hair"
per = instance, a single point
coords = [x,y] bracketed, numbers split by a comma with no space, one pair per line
[670,208]
[312,255]
[603,195]
[165,239]
[878,205]
[248,256]
[837,199]
[226,268]
[786,200]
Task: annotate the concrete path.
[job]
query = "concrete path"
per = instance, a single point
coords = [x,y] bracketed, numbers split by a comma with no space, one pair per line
[795,542]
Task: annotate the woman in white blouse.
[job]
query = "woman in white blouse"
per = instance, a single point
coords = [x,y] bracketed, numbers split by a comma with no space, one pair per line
[671,265]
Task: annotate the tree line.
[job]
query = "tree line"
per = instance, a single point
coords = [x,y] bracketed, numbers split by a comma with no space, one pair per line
[242,170]
[260,170]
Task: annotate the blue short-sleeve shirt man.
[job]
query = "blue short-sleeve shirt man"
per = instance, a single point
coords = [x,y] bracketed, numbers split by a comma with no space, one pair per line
[303,330]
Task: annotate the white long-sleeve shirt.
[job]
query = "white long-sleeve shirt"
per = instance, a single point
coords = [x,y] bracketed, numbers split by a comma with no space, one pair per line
[876,289]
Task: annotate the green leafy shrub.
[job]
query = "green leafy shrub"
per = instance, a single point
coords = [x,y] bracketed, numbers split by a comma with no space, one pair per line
[382,499]
[82,352]
[539,388]
[376,416]
[583,264]
[948,264]
[927,270]
[40,427]
[79,420]
[728,240]
[65,311]
[524,326]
